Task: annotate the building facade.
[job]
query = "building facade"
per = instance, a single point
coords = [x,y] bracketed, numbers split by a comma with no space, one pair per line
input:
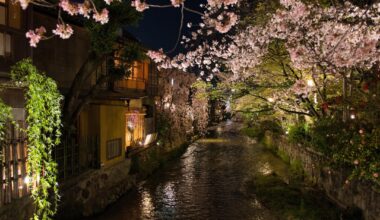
[120,116]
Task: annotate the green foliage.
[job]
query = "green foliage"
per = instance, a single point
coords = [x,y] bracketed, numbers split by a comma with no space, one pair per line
[258,12]
[258,129]
[208,90]
[104,36]
[253,132]
[352,144]
[298,133]
[130,52]
[43,105]
[5,117]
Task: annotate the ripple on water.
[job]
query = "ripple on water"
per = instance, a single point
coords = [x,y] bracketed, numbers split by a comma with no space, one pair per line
[207,182]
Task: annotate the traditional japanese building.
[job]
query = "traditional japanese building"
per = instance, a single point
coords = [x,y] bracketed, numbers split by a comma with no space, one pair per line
[120,115]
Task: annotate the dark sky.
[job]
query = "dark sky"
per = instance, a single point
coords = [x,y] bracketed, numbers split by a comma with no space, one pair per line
[159,26]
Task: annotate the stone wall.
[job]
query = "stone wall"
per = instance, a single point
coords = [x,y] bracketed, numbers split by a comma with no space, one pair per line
[19,209]
[95,190]
[355,194]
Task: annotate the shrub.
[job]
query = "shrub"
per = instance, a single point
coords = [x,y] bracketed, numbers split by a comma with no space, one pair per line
[258,129]
[298,134]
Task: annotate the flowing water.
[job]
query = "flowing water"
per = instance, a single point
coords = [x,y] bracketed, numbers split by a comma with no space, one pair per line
[207,182]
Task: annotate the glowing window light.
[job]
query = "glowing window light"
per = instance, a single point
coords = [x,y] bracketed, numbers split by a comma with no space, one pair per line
[149,139]
[27,180]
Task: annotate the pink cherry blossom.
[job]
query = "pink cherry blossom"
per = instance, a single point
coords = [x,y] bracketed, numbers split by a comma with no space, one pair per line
[24,3]
[85,9]
[139,5]
[67,6]
[35,36]
[218,3]
[108,2]
[157,56]
[225,22]
[64,31]
[177,3]
[101,17]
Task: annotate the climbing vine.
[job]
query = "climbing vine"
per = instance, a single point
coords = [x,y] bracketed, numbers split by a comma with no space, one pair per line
[5,116]
[43,106]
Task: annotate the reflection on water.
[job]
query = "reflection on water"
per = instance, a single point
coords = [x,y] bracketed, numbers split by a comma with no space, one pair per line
[207,182]
[146,202]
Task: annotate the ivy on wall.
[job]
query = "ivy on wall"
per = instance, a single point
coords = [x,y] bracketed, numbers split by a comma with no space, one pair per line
[43,106]
[5,117]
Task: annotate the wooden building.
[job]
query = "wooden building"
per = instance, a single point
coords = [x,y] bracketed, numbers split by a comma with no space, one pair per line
[114,120]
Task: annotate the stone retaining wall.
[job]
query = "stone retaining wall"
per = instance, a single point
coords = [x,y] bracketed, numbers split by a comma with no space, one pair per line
[355,194]
[94,191]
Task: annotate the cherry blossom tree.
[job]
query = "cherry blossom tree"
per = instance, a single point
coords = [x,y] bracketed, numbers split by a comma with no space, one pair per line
[180,106]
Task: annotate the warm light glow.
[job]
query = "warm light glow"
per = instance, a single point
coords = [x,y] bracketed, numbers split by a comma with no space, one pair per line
[315,98]
[166,105]
[310,83]
[271,99]
[172,82]
[149,139]
[130,125]
[353,116]
[27,180]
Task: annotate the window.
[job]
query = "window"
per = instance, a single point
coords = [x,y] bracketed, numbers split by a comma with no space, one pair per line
[137,71]
[113,148]
[2,12]
[5,45]
[10,14]
[14,15]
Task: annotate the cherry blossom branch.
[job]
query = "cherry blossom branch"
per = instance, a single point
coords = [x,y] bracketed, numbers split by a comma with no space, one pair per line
[193,11]
[180,29]
[160,6]
[294,112]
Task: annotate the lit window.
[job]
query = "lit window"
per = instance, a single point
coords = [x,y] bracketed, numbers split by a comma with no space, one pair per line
[5,45]
[10,14]
[14,15]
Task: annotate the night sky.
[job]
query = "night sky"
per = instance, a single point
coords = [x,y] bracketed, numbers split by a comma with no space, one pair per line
[159,26]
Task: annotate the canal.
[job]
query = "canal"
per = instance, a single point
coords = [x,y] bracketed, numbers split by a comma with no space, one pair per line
[211,180]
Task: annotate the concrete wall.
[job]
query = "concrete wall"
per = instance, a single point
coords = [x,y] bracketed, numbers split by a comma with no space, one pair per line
[355,194]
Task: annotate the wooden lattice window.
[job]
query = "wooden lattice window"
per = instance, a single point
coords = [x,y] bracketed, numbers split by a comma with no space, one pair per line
[13,166]
[114,148]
